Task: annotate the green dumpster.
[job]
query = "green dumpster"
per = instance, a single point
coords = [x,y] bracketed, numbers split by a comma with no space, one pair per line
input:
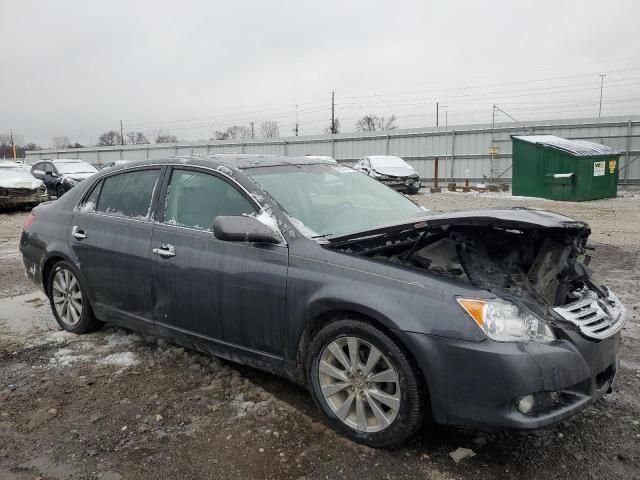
[551,167]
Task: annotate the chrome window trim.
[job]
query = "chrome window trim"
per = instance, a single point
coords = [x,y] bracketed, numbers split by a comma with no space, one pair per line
[87,192]
[284,242]
[149,219]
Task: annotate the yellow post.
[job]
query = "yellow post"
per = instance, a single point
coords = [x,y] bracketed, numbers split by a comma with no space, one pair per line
[14,151]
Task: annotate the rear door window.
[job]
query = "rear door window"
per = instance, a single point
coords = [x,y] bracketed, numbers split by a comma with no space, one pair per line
[194,199]
[128,194]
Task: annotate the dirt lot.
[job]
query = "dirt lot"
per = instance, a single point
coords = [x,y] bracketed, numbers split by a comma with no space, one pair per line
[114,404]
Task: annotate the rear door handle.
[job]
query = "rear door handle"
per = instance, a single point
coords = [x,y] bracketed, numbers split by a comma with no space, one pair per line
[165,251]
[78,233]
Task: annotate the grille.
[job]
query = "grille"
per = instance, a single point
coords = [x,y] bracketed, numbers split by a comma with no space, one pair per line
[595,317]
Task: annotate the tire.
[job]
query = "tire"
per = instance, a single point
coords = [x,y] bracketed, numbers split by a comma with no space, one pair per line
[404,404]
[413,190]
[59,191]
[69,301]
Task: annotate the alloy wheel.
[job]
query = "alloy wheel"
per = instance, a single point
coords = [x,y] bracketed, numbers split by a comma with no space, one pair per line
[67,296]
[359,384]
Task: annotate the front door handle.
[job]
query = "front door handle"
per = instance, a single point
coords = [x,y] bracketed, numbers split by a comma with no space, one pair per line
[78,233]
[165,251]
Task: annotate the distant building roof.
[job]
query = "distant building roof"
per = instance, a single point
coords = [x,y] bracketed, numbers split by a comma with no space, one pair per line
[578,148]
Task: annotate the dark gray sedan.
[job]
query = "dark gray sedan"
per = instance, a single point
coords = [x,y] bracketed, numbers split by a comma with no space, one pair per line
[321,274]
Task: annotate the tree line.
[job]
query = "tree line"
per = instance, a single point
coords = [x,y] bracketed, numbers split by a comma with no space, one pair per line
[266,129]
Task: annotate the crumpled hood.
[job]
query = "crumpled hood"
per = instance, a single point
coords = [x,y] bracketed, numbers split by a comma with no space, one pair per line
[395,171]
[78,177]
[505,218]
[26,182]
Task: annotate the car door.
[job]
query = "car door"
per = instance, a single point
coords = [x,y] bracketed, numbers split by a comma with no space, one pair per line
[110,236]
[230,294]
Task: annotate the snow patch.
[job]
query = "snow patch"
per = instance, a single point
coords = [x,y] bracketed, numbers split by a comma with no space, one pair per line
[224,170]
[66,357]
[302,228]
[120,359]
[87,207]
[241,406]
[122,339]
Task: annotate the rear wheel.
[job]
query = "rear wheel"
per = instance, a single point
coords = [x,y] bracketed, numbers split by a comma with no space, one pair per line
[59,191]
[69,302]
[365,384]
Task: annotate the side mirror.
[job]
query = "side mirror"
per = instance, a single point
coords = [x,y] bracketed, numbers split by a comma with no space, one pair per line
[241,228]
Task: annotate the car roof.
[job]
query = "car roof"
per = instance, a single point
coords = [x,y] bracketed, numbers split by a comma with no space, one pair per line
[233,160]
[67,160]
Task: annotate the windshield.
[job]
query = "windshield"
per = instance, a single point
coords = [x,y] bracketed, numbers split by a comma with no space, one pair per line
[75,167]
[326,200]
[382,162]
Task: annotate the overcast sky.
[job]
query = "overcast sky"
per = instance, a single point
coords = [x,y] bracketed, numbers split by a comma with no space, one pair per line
[76,68]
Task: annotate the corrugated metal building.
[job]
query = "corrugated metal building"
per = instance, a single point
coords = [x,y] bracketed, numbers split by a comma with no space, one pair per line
[462,149]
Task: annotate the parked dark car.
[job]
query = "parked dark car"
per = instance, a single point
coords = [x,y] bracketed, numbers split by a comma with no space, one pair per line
[18,188]
[61,175]
[313,271]
[392,171]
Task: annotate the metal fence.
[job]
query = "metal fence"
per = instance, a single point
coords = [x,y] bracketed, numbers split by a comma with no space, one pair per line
[462,150]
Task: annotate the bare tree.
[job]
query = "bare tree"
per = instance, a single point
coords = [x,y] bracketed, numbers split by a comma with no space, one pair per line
[76,145]
[232,133]
[60,142]
[6,145]
[270,129]
[166,138]
[136,138]
[372,123]
[160,136]
[336,126]
[110,138]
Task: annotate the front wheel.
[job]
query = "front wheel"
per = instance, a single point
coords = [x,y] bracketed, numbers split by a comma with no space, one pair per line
[414,190]
[365,384]
[59,191]
[69,301]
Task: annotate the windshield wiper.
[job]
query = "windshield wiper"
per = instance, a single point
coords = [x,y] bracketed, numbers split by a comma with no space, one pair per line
[323,235]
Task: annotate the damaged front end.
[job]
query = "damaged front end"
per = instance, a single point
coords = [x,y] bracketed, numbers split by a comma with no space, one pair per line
[535,260]
[18,197]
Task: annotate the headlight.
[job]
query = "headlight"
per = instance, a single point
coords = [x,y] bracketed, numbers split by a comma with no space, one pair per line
[504,321]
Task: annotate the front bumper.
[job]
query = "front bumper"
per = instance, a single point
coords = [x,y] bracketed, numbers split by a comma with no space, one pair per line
[21,196]
[478,384]
[401,183]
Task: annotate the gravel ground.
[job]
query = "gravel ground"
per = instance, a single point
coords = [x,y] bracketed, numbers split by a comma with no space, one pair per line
[115,404]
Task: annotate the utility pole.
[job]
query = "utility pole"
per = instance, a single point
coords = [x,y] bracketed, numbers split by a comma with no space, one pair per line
[333,113]
[252,132]
[13,145]
[602,75]
[296,129]
[437,113]
[121,134]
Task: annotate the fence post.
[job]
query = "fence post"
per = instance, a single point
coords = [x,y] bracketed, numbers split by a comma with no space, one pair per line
[628,153]
[453,153]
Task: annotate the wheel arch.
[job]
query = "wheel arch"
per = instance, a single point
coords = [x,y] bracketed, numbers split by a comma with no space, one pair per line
[325,317]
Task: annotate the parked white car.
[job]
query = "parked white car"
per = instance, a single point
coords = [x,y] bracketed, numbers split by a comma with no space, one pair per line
[391,170]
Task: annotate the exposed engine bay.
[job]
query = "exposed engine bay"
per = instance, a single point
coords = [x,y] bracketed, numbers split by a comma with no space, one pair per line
[544,267]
